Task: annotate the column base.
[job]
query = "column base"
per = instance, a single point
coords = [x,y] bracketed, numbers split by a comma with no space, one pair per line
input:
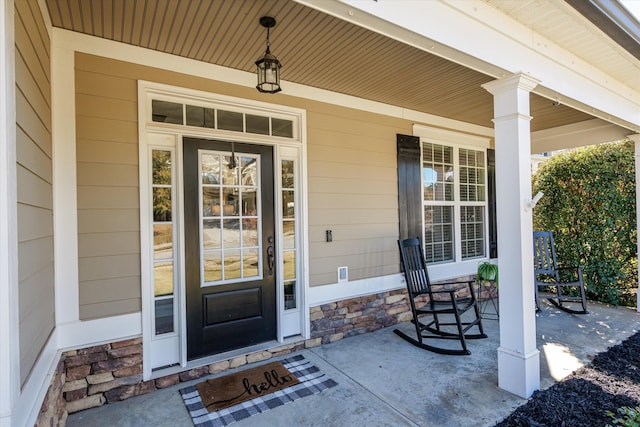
[519,373]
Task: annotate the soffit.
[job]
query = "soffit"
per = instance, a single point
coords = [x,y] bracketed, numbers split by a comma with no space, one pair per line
[558,21]
[315,49]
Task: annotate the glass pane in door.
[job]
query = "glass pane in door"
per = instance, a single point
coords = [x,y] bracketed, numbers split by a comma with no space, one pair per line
[230,220]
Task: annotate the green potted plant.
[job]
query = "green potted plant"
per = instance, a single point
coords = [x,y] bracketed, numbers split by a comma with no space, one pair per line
[487,272]
[487,278]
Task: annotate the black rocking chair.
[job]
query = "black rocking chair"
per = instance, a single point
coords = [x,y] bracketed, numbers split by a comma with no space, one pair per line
[443,301]
[547,273]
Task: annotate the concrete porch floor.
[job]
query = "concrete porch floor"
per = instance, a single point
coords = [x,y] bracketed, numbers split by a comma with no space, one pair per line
[385,381]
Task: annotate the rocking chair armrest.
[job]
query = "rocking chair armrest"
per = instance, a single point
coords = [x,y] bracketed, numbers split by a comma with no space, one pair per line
[569,267]
[454,291]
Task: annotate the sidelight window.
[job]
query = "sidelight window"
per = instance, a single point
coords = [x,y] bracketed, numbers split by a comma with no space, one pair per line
[163,240]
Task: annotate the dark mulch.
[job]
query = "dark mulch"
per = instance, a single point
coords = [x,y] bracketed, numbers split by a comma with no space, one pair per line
[610,381]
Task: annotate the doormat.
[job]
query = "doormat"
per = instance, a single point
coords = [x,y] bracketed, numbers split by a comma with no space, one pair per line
[222,392]
[264,387]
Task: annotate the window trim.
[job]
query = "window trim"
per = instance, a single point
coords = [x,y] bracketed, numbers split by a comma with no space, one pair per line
[457,140]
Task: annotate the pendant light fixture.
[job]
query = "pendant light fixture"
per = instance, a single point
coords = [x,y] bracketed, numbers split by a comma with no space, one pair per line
[268,66]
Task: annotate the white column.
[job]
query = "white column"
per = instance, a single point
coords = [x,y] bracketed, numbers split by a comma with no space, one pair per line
[65,205]
[518,357]
[9,315]
[636,139]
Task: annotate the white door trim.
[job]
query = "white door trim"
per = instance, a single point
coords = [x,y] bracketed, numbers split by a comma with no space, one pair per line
[284,148]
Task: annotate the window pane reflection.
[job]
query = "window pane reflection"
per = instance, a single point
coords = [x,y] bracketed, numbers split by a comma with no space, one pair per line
[290,295]
[161,167]
[287,174]
[230,196]
[257,124]
[250,232]
[161,204]
[200,116]
[232,264]
[163,278]
[163,241]
[248,172]
[249,202]
[210,168]
[211,201]
[212,266]
[250,263]
[281,127]
[289,234]
[211,234]
[166,112]
[231,233]
[288,204]
[164,315]
[289,265]
[230,120]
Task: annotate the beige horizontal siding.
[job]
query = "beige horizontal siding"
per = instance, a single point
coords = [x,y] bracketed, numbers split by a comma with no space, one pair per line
[32,157]
[353,191]
[109,130]
[108,221]
[33,189]
[28,120]
[352,182]
[115,153]
[108,193]
[111,308]
[34,184]
[108,244]
[96,84]
[108,174]
[39,220]
[101,291]
[106,267]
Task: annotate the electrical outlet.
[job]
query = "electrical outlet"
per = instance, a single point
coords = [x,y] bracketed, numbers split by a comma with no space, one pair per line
[343,274]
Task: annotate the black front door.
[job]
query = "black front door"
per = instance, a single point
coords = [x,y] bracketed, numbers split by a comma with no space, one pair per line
[229,245]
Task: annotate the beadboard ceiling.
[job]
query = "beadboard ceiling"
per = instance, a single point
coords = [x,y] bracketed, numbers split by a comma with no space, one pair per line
[315,49]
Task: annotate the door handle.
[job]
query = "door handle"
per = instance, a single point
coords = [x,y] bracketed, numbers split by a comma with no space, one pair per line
[270,259]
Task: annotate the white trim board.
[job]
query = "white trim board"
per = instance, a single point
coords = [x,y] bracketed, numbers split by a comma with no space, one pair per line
[9,315]
[86,333]
[341,291]
[27,406]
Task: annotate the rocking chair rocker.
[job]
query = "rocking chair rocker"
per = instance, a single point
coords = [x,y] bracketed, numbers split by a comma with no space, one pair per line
[548,274]
[443,301]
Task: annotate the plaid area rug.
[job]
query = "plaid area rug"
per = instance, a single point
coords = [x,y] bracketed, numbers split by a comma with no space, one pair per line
[312,381]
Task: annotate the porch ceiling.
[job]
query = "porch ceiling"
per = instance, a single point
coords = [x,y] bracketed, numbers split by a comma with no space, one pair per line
[315,49]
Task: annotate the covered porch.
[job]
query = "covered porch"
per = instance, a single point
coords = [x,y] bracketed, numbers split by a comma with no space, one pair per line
[97,96]
[383,380]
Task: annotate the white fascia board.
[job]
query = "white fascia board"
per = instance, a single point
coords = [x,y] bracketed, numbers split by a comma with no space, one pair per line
[480,37]
[78,42]
[588,132]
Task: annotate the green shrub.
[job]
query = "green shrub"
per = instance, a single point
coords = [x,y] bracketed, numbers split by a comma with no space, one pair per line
[630,417]
[589,204]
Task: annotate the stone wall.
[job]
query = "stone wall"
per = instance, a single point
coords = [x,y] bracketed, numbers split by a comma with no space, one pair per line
[334,321]
[94,376]
[53,411]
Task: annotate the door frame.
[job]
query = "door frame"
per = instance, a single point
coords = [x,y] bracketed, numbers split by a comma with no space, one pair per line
[165,136]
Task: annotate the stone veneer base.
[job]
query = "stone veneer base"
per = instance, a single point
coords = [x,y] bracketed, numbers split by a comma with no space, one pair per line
[94,376]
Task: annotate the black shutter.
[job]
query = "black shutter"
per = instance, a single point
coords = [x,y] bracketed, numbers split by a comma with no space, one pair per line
[493,224]
[409,187]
